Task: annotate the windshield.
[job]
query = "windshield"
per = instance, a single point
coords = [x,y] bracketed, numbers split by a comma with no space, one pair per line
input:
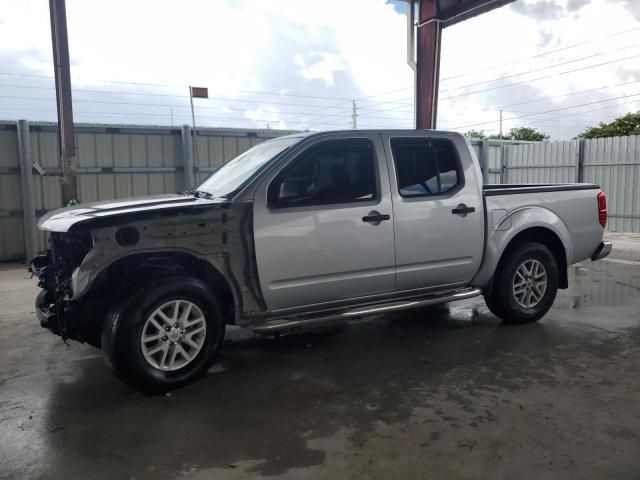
[234,174]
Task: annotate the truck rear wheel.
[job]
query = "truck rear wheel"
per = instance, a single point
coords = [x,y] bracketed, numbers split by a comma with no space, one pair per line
[525,284]
[164,335]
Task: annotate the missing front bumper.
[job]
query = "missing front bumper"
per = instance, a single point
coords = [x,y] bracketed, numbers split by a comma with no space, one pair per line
[45,313]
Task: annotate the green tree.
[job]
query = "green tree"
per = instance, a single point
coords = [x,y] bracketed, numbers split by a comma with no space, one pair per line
[620,127]
[523,133]
[475,134]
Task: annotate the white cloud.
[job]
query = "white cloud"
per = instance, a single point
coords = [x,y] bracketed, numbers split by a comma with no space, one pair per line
[265,117]
[322,69]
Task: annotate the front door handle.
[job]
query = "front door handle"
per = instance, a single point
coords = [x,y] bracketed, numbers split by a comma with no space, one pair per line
[462,210]
[375,218]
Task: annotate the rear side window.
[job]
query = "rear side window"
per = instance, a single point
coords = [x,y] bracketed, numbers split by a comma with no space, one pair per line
[335,171]
[425,167]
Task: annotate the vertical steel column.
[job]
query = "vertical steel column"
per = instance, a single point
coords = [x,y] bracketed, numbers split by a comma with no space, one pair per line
[484,159]
[504,168]
[580,160]
[66,134]
[428,64]
[27,190]
[502,153]
[187,157]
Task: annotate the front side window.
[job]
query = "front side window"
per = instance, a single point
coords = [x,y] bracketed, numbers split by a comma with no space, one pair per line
[335,171]
[425,167]
[235,174]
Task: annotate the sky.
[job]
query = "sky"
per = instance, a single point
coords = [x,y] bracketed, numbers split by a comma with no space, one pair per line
[556,65]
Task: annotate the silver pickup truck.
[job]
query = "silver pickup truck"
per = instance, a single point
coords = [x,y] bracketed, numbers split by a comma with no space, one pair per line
[307,230]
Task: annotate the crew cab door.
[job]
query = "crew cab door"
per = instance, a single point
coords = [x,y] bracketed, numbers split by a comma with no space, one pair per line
[323,228]
[438,210]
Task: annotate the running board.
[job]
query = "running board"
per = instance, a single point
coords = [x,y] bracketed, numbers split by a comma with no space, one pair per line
[279,325]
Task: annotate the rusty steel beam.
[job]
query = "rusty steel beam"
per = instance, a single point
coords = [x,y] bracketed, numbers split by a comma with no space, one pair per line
[433,16]
[66,134]
[429,38]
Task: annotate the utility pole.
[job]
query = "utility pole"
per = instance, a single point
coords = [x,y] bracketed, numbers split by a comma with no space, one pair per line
[354,115]
[66,134]
[197,92]
[500,125]
[193,121]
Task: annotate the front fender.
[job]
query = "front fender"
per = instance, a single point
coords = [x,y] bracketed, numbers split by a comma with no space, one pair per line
[98,261]
[503,226]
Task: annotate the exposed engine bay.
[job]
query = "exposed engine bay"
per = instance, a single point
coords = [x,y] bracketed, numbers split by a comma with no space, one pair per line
[54,269]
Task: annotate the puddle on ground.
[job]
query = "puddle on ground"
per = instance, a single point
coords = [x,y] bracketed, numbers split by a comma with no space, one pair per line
[600,284]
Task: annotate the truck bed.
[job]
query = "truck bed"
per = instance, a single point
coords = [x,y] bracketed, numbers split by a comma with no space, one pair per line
[570,208]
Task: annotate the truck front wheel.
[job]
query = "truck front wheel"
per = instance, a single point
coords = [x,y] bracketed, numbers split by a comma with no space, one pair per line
[525,284]
[164,335]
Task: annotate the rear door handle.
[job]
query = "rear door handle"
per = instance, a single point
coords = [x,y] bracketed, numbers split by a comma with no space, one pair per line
[375,217]
[462,210]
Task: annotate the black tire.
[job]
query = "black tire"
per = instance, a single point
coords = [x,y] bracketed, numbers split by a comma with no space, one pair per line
[123,327]
[502,301]
[494,305]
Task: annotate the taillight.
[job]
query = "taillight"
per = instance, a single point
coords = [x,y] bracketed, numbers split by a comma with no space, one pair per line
[602,209]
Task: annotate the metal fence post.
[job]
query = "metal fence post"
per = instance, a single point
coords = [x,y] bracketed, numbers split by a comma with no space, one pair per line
[187,157]
[504,164]
[484,160]
[580,161]
[27,190]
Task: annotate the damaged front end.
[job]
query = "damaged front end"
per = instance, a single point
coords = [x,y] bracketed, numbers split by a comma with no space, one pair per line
[54,269]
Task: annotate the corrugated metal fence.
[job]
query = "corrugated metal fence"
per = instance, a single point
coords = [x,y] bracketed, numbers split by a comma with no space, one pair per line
[613,163]
[124,161]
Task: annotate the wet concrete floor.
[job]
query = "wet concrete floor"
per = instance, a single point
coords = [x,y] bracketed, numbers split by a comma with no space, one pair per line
[440,393]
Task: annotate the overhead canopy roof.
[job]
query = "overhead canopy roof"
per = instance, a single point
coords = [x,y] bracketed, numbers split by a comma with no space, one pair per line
[454,11]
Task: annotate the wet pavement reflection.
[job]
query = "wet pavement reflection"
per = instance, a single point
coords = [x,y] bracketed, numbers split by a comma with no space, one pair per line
[446,389]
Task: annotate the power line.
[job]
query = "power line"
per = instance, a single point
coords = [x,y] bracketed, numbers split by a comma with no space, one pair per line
[324,108]
[535,121]
[514,84]
[400,104]
[540,54]
[321,107]
[172,105]
[593,110]
[569,94]
[232,119]
[254,92]
[583,124]
[543,68]
[185,115]
[550,111]
[541,121]
[514,61]
[543,77]
[361,99]
[280,94]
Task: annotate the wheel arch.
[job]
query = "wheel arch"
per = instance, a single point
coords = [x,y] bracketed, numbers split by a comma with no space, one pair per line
[546,237]
[529,224]
[136,268]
